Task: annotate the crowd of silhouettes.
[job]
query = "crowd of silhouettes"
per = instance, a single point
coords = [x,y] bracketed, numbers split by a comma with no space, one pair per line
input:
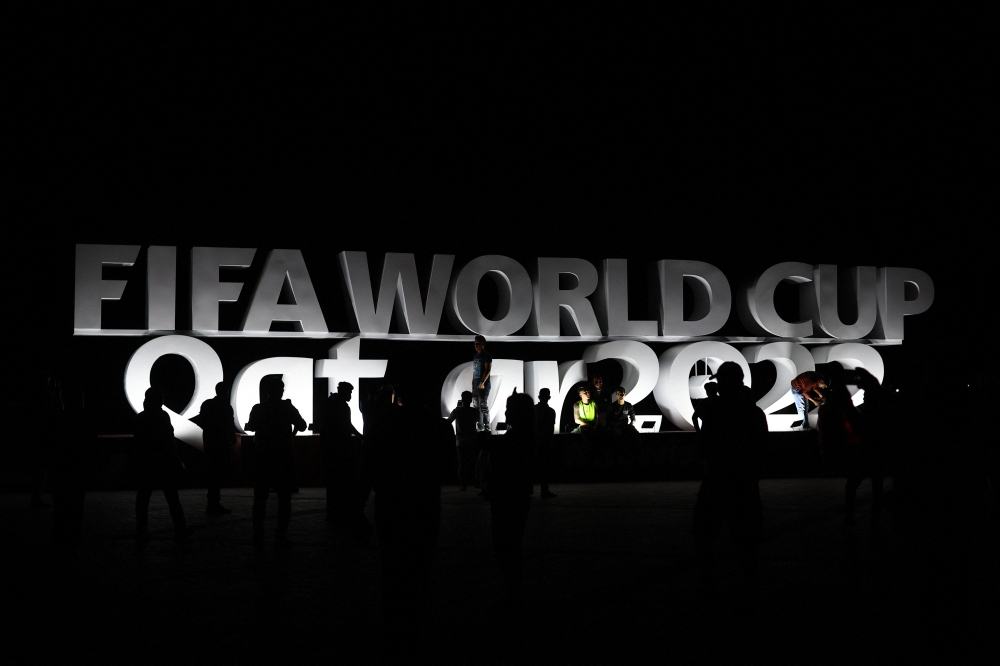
[406,444]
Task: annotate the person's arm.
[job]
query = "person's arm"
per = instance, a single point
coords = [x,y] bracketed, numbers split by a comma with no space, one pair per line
[297,420]
[486,374]
[631,414]
[451,417]
[576,415]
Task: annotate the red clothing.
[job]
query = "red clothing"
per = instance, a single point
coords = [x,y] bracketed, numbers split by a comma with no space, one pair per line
[807,382]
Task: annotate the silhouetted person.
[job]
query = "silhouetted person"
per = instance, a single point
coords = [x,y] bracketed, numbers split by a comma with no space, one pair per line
[545,424]
[404,448]
[508,488]
[732,435]
[274,423]
[158,464]
[465,418]
[807,388]
[878,410]
[46,407]
[482,366]
[219,436]
[842,441]
[340,446]
[600,398]
[73,460]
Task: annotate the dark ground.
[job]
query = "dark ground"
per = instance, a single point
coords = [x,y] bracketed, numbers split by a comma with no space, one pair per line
[610,578]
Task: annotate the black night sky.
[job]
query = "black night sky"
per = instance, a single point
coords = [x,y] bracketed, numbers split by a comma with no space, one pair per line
[828,143]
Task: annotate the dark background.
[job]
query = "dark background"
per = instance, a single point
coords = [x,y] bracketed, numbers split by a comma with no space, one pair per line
[743,141]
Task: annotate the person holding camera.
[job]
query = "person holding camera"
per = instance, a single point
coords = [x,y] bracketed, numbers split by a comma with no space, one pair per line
[807,386]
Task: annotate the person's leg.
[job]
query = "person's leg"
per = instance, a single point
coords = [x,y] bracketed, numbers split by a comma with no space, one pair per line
[261,489]
[544,462]
[483,402]
[142,496]
[176,511]
[801,407]
[284,512]
[707,524]
[463,465]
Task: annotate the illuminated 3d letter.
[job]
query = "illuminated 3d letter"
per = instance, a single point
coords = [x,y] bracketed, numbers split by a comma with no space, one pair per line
[789,360]
[712,297]
[295,372]
[553,305]
[207,373]
[673,392]
[852,355]
[91,289]
[612,302]
[206,290]
[161,287]
[640,367]
[558,378]
[756,308]
[345,365]
[282,266]
[892,302]
[505,376]
[513,284]
[824,304]
[399,290]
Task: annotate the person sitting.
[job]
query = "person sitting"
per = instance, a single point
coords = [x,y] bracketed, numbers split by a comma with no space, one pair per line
[585,413]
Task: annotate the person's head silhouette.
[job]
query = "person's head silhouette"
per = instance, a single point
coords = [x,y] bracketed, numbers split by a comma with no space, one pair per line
[274,389]
[729,376]
[466,398]
[220,390]
[153,399]
[544,395]
[345,389]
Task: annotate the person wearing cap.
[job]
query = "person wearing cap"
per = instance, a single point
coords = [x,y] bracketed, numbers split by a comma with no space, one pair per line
[545,426]
[731,440]
[807,387]
[465,418]
[340,453]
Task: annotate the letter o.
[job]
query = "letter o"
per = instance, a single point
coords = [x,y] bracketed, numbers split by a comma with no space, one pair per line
[515,290]
[672,391]
[207,373]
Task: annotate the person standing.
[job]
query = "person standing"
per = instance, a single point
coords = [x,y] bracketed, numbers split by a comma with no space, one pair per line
[219,434]
[545,424]
[482,365]
[466,418]
[159,465]
[74,459]
[807,386]
[341,454]
[274,423]
[508,489]
[731,440]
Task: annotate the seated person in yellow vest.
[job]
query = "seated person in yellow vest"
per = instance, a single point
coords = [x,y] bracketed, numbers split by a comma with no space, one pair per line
[585,413]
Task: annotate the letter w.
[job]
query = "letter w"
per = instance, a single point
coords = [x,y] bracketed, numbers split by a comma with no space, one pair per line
[399,291]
